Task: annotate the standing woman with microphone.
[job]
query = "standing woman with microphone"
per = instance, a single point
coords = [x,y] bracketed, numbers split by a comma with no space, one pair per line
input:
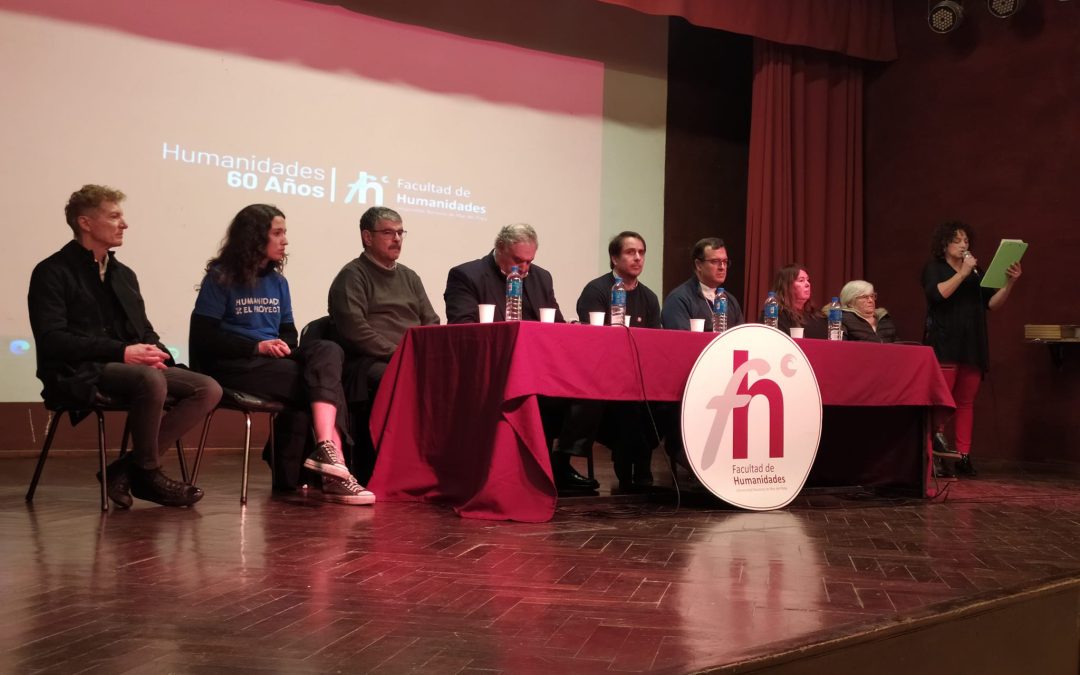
[956,329]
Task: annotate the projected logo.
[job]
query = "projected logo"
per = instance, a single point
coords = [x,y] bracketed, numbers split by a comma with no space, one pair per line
[751,417]
[291,177]
[19,347]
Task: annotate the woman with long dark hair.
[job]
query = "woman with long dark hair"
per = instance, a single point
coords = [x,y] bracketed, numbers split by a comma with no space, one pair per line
[793,290]
[956,329]
[244,335]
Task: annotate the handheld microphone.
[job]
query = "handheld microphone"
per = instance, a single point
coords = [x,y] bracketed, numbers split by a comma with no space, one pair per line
[974,270]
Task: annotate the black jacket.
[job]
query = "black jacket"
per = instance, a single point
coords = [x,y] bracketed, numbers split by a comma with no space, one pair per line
[81,323]
[481,282]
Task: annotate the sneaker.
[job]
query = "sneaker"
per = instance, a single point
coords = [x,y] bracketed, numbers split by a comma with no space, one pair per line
[155,486]
[346,491]
[327,461]
[118,485]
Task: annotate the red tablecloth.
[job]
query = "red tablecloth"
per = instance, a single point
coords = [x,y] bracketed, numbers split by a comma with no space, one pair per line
[456,419]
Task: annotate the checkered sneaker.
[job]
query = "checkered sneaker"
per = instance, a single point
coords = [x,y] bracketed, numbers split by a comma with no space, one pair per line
[345,491]
[327,461]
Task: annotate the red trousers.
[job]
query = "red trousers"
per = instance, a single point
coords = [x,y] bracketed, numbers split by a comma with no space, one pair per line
[963,381]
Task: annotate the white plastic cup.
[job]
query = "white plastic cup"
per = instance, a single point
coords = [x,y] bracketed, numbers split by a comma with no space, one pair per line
[547,314]
[596,318]
[487,313]
[697,325]
[796,331]
[626,320]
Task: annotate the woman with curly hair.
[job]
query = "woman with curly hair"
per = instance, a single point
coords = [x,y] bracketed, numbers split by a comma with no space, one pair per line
[956,329]
[244,335]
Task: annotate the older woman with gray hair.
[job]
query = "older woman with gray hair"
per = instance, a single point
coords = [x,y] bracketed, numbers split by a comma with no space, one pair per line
[863,319]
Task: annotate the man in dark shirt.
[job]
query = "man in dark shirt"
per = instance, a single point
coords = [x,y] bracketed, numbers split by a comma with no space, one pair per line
[693,299]
[625,427]
[483,281]
[92,335]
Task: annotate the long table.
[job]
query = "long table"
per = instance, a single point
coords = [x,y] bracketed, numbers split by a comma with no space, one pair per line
[456,419]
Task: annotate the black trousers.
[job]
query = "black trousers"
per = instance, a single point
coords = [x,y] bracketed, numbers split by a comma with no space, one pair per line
[152,428]
[311,373]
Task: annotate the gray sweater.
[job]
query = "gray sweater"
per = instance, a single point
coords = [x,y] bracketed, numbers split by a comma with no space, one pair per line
[371,307]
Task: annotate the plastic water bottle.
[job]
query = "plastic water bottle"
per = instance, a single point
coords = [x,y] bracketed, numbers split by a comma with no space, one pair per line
[771,310]
[618,303]
[513,295]
[719,311]
[836,320]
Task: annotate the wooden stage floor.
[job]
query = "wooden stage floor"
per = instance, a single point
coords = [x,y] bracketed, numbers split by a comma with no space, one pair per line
[612,584]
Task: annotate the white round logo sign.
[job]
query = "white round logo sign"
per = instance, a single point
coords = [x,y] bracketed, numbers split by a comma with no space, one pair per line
[751,417]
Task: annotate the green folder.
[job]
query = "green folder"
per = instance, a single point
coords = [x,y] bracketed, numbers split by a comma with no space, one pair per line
[1009,251]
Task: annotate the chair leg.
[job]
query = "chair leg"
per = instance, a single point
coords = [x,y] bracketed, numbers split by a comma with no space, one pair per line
[49,433]
[202,446]
[589,463]
[183,460]
[126,437]
[273,450]
[102,459]
[247,453]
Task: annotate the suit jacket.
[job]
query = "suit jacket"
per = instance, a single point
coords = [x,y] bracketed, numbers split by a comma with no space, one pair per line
[481,282]
[81,323]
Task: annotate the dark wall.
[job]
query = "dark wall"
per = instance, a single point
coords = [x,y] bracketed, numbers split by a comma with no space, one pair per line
[983,125]
[710,81]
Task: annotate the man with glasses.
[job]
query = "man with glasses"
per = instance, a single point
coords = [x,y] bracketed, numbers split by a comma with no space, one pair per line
[373,300]
[693,299]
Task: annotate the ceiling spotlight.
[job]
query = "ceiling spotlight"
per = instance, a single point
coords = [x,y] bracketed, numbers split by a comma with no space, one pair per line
[1003,9]
[945,15]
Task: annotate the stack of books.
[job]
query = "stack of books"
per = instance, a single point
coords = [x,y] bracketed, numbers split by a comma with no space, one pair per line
[1034,331]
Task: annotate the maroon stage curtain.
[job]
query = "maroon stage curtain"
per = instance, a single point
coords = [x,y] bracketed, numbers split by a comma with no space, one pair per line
[859,28]
[805,191]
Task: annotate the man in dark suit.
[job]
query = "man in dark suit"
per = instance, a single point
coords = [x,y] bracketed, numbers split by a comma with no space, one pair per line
[483,282]
[92,335]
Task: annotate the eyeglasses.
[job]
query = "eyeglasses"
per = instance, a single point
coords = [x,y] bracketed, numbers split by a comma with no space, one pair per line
[868,296]
[716,262]
[391,233]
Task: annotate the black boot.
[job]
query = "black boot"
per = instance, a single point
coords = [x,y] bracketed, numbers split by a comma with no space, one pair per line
[964,467]
[154,486]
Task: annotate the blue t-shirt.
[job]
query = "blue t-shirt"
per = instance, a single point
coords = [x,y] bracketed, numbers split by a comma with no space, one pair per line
[255,312]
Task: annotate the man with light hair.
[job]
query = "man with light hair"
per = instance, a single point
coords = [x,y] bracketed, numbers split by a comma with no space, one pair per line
[92,336]
[483,282]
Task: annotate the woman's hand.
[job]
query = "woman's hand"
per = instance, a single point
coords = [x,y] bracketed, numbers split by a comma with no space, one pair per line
[1012,273]
[275,349]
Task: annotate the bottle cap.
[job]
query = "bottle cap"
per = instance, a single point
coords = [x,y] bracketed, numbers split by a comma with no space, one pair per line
[835,299]
[772,294]
[514,268]
[720,289]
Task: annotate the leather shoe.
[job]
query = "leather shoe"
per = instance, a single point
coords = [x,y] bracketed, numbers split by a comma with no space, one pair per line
[568,478]
[118,485]
[155,486]
[964,467]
